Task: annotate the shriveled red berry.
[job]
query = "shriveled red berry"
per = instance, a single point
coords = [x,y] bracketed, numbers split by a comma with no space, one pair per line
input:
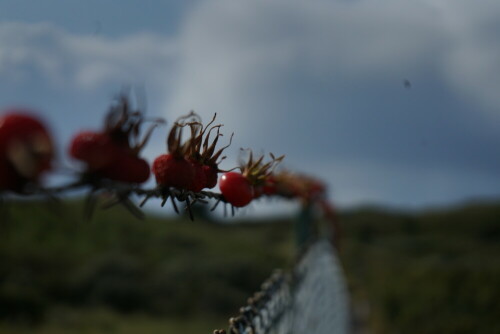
[257,191]
[317,188]
[171,171]
[199,181]
[269,187]
[19,124]
[139,171]
[96,149]
[127,168]
[200,148]
[211,176]
[26,149]
[236,189]
[113,153]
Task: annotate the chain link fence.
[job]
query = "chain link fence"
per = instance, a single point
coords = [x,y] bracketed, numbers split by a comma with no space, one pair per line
[311,299]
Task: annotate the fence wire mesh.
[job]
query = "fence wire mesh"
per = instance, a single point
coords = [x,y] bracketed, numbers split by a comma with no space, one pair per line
[311,299]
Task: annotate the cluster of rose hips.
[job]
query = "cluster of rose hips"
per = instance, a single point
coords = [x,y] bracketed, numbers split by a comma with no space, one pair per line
[192,165]
[253,181]
[112,153]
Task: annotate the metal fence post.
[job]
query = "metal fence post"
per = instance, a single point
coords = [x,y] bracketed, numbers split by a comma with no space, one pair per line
[304,225]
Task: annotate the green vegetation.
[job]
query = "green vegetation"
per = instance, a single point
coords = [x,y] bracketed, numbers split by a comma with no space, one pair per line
[122,271]
[433,272]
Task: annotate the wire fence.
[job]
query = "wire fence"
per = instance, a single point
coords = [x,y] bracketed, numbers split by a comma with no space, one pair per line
[312,298]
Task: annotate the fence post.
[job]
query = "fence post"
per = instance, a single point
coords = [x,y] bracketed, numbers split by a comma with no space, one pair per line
[304,225]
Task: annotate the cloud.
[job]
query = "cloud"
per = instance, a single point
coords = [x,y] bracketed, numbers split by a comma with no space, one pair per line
[471,64]
[355,182]
[70,78]
[320,81]
[323,81]
[227,45]
[232,50]
[62,59]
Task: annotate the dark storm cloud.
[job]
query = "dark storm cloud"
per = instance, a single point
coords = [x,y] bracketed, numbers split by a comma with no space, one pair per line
[322,82]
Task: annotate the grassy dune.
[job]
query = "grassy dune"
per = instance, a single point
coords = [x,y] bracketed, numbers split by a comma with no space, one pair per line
[125,273]
[429,272]
[432,272]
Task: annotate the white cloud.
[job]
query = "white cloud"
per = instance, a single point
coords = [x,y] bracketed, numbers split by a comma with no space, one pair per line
[70,78]
[54,55]
[471,64]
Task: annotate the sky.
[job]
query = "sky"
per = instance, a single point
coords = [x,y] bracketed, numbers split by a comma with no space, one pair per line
[322,82]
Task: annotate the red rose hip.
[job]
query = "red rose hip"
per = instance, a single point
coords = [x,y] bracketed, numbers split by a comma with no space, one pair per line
[236,189]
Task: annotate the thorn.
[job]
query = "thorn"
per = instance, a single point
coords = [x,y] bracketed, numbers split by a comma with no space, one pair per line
[164,200]
[174,205]
[188,208]
[215,205]
[127,203]
[109,204]
[200,200]
[144,200]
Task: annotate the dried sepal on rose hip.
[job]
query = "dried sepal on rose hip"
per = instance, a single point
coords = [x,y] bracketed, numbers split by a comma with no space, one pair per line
[26,150]
[172,169]
[113,153]
[204,156]
[193,164]
[239,189]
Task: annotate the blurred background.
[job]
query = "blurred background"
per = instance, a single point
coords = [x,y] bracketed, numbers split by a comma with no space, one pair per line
[393,103]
